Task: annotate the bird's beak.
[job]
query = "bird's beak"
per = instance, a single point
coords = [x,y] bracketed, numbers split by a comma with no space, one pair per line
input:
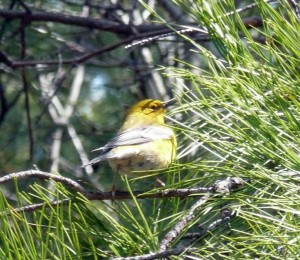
[169,102]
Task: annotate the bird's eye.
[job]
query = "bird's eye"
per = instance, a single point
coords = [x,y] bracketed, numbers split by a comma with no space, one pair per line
[154,107]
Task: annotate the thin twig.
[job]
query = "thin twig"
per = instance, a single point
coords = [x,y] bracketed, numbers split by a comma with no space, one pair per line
[68,113]
[25,89]
[181,250]
[227,215]
[79,148]
[17,64]
[245,8]
[48,94]
[56,148]
[223,187]
[248,22]
[182,224]
[43,176]
[33,207]
[74,20]
[167,34]
[296,7]
[26,8]
[158,255]
[3,103]
[6,107]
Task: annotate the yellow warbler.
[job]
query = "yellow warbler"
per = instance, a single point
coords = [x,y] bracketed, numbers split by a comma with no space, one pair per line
[143,143]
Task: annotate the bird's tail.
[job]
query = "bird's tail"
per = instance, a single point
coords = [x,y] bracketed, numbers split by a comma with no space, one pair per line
[91,162]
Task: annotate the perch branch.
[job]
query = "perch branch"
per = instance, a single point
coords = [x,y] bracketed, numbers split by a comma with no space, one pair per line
[118,195]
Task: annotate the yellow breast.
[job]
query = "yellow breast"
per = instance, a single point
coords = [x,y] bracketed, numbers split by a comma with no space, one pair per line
[137,160]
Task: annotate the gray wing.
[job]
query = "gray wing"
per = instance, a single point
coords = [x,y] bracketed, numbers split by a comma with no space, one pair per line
[135,136]
[138,136]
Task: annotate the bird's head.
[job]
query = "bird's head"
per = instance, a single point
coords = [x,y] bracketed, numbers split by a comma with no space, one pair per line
[151,108]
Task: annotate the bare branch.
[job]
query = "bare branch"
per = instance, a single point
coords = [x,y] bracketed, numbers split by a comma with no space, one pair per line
[6,60]
[182,224]
[219,186]
[131,41]
[174,11]
[33,207]
[223,187]
[74,94]
[181,250]
[99,195]
[3,103]
[25,89]
[87,22]
[56,148]
[17,64]
[79,148]
[158,255]
[121,195]
[43,176]
[227,215]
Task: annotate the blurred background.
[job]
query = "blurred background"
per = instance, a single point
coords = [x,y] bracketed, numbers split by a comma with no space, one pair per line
[69,72]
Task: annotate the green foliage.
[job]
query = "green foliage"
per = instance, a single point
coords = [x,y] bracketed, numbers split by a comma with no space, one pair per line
[243,112]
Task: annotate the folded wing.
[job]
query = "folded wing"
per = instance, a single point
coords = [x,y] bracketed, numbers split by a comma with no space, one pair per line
[137,136]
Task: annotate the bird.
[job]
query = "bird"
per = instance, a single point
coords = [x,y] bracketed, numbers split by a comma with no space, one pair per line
[144,142]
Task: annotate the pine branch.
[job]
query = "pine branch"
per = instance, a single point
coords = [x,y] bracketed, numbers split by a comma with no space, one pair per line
[230,183]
